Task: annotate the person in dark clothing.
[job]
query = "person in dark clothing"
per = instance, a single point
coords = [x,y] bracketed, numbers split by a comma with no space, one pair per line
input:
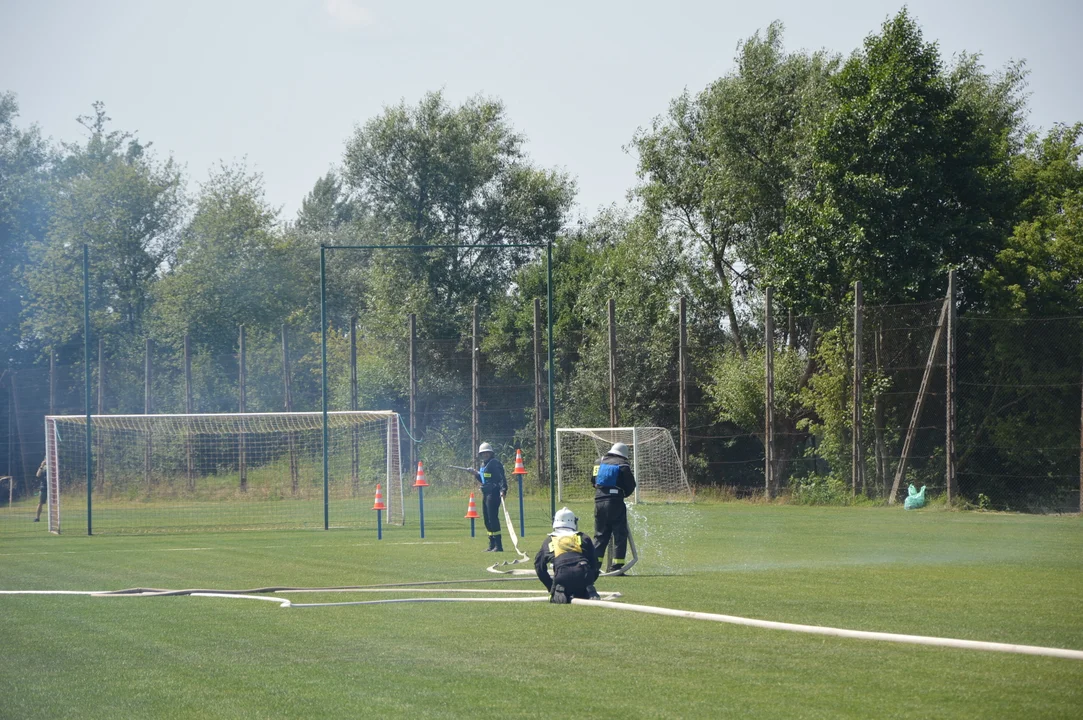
[575,563]
[494,486]
[43,489]
[613,481]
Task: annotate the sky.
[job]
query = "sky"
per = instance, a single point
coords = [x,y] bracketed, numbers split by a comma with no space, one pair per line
[282,84]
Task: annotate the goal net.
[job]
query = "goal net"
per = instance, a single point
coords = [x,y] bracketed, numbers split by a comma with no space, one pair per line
[156,473]
[655,463]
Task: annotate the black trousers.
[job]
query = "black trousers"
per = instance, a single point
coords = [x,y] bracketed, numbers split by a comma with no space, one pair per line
[610,520]
[490,509]
[572,581]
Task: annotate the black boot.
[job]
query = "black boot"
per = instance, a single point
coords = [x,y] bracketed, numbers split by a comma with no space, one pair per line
[558,596]
[499,547]
[491,544]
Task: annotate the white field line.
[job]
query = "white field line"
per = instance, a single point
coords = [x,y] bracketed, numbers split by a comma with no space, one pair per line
[841,632]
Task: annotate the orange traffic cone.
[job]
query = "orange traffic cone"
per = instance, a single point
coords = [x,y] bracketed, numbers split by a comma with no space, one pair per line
[471,508]
[520,469]
[420,482]
[379,504]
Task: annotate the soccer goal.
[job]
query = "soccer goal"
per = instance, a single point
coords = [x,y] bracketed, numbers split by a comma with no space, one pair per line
[655,463]
[222,471]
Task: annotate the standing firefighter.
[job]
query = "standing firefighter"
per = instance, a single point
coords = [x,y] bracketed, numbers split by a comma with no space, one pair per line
[494,486]
[613,481]
[575,562]
[43,489]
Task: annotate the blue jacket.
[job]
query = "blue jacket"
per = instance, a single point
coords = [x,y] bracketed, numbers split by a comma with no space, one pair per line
[492,478]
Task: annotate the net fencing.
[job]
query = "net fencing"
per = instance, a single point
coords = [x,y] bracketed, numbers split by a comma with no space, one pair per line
[1020,413]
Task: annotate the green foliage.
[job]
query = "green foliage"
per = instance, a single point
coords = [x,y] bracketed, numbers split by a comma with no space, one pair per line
[435,175]
[613,257]
[1039,270]
[910,177]
[24,198]
[113,196]
[716,172]
[828,396]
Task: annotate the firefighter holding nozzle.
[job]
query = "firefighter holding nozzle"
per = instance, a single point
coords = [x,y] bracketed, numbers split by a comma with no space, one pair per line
[494,486]
[613,481]
[575,563]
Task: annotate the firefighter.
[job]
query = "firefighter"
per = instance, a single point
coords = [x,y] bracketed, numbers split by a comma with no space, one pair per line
[575,563]
[494,486]
[613,481]
[43,488]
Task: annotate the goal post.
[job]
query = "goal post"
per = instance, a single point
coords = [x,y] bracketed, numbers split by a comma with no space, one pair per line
[181,472]
[660,477]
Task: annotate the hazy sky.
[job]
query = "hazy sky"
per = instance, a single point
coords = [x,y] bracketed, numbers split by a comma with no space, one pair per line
[283,83]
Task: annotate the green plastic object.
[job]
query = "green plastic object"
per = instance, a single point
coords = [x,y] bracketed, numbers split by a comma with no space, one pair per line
[916,499]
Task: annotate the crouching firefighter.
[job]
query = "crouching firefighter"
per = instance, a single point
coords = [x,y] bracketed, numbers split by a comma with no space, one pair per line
[613,481]
[494,486]
[575,563]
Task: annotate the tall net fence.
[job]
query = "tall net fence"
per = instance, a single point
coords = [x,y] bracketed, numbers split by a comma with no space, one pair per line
[1017,404]
[903,361]
[1019,413]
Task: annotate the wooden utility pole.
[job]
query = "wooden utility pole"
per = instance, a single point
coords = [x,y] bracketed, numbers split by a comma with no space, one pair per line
[355,440]
[911,431]
[242,460]
[475,356]
[148,405]
[769,397]
[857,456]
[949,394]
[413,391]
[189,406]
[682,373]
[287,392]
[539,417]
[613,418]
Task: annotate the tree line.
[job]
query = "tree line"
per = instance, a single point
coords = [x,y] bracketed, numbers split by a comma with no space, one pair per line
[802,171]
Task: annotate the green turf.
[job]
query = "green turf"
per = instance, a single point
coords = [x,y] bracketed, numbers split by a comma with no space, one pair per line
[989,577]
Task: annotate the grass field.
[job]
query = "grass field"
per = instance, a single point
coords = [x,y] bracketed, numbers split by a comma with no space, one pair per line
[1005,578]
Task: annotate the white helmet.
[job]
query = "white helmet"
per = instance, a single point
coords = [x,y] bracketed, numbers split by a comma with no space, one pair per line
[565,519]
[486,448]
[619,449]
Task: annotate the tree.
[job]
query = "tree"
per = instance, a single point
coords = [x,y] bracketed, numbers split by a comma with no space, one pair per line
[24,209]
[1039,270]
[327,206]
[114,196]
[233,268]
[718,170]
[911,178]
[436,176]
